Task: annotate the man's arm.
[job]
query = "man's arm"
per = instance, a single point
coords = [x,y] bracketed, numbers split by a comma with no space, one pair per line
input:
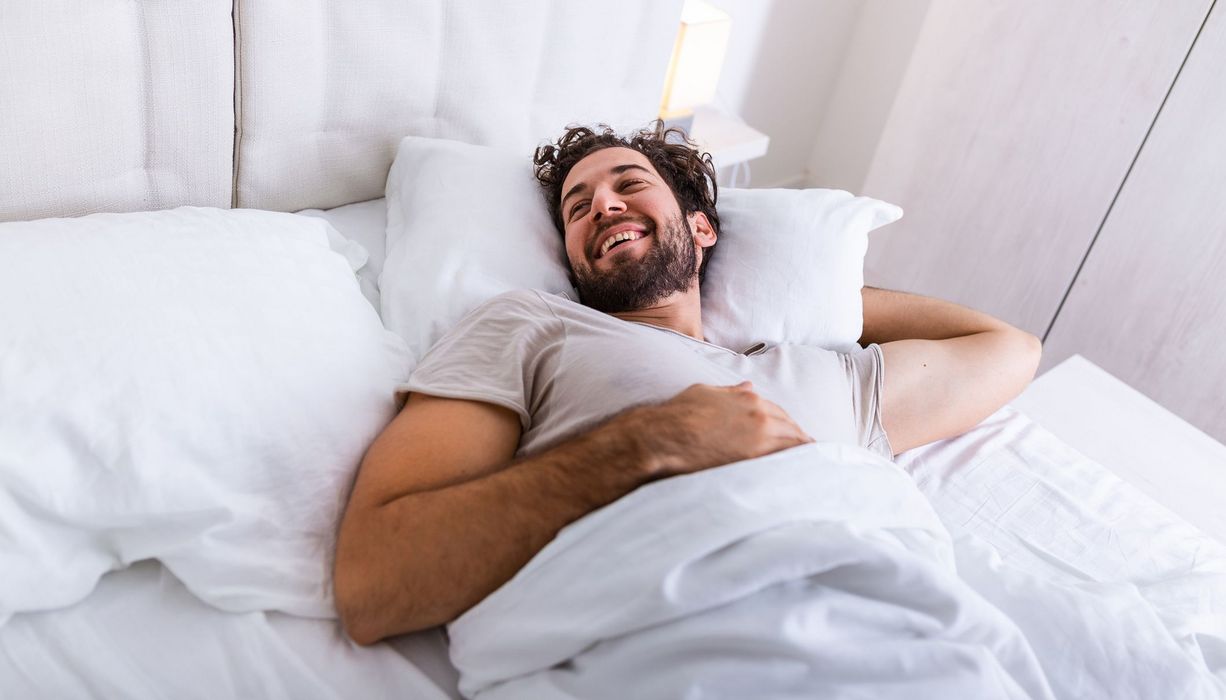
[440,517]
[947,367]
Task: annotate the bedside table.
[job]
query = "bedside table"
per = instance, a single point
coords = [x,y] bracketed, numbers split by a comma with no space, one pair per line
[729,140]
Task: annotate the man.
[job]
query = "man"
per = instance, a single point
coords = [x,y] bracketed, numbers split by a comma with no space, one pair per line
[536,410]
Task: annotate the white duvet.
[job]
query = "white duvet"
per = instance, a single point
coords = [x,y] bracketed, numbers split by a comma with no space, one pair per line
[820,571]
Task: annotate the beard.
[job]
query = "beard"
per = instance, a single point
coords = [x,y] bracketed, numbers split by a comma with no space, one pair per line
[669,265]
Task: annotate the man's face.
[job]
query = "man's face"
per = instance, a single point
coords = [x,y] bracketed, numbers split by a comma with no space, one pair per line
[628,243]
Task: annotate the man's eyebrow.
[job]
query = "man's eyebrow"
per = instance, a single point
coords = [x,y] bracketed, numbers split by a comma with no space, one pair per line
[573,191]
[616,170]
[619,169]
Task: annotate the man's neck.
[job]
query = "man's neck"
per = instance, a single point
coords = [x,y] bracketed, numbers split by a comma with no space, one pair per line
[679,311]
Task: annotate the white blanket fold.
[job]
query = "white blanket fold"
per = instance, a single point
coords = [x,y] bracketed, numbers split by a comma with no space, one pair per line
[820,571]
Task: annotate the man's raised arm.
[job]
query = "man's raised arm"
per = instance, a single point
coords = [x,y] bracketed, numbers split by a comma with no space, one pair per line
[947,367]
[440,516]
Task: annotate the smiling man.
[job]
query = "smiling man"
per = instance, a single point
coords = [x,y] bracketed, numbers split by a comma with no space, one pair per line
[536,410]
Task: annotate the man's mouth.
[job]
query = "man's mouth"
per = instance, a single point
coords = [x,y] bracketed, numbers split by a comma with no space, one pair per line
[620,239]
[619,236]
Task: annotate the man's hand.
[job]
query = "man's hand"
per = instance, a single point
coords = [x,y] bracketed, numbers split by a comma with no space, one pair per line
[707,426]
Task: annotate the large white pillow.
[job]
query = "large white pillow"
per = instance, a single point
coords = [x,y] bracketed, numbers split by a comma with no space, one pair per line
[466,223]
[194,385]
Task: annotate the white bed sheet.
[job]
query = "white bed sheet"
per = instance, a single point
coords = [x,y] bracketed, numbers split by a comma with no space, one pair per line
[1043,507]
[1053,511]
[1057,515]
[1142,442]
[142,634]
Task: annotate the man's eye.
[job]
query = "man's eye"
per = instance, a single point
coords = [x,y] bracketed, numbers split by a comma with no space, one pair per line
[629,183]
[575,209]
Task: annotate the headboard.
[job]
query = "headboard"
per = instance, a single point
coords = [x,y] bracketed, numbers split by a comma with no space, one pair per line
[290,104]
[114,106]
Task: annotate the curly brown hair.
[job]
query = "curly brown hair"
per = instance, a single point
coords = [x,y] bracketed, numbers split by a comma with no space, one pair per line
[688,172]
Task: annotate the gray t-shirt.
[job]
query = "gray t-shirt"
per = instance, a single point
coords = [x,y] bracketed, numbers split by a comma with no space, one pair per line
[564,368]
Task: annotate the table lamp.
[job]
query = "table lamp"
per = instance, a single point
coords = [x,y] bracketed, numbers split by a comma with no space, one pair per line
[698,55]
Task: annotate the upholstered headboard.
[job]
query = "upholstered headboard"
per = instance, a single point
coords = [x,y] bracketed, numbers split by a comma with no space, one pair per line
[109,105]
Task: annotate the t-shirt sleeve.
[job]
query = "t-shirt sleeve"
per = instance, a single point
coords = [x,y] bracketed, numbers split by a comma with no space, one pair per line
[866,371]
[494,354]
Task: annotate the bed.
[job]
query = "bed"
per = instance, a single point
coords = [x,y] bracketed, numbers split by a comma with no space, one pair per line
[274,107]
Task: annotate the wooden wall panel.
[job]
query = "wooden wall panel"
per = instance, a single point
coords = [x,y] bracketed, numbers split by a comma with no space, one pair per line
[1013,129]
[1150,304]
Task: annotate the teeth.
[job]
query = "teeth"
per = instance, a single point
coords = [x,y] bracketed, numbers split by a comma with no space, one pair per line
[623,236]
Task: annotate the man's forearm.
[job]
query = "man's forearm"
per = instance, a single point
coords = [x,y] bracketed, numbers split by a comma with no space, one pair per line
[890,316]
[413,563]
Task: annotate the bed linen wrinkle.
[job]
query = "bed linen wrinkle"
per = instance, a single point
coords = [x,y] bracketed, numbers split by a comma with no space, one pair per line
[1086,539]
[749,564]
[1027,628]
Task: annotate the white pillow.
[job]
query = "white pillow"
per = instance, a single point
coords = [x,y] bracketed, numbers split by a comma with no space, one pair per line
[466,223]
[789,267]
[194,385]
[363,228]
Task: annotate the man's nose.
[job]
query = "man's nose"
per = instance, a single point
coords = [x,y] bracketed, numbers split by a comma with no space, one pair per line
[606,204]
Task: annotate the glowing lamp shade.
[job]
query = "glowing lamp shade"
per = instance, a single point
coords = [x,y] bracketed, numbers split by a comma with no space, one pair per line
[693,72]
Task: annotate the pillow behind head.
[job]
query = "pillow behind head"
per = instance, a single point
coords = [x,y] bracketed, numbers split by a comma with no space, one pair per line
[466,223]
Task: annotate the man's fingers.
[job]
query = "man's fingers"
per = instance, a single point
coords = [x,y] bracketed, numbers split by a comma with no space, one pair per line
[788,440]
[777,411]
[788,427]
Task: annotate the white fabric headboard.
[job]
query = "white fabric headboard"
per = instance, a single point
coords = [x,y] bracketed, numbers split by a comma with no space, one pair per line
[328,89]
[114,106]
[122,106]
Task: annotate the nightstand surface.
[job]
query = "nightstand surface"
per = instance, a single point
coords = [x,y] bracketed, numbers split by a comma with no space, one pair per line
[729,140]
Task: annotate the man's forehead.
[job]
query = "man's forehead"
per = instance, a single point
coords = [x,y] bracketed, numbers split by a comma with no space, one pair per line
[604,162]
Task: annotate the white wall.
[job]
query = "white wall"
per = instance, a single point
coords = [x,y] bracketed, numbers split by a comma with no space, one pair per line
[860,102]
[783,61]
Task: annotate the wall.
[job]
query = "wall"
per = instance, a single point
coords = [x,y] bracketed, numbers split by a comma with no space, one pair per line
[858,107]
[782,64]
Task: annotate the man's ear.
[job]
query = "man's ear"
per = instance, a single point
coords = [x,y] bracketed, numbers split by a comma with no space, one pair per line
[704,233]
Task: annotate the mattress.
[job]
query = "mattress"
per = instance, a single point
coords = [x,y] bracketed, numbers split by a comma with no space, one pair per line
[1008,489]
